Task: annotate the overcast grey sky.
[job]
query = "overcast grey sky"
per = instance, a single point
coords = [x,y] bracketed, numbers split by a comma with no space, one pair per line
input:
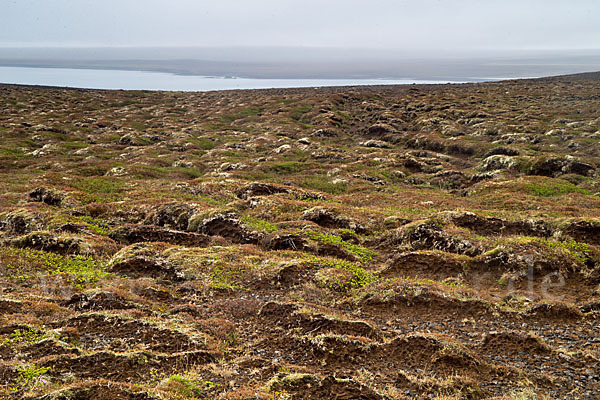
[399,24]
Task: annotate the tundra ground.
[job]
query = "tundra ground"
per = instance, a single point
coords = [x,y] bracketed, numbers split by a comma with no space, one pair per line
[393,242]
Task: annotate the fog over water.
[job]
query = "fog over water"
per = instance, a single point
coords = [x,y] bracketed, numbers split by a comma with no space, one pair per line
[424,25]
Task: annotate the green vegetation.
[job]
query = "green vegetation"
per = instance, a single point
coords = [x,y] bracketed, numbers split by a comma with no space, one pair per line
[580,252]
[74,145]
[138,126]
[323,184]
[100,188]
[364,254]
[30,377]
[12,153]
[20,264]
[299,110]
[22,336]
[225,279]
[204,143]
[95,225]
[189,386]
[247,112]
[231,154]
[154,172]
[287,167]
[551,189]
[359,276]
[259,224]
[526,394]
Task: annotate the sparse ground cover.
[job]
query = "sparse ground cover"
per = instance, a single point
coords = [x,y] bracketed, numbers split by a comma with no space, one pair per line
[387,242]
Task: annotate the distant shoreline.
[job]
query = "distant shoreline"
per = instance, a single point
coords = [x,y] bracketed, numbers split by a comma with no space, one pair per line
[115,79]
[198,73]
[113,68]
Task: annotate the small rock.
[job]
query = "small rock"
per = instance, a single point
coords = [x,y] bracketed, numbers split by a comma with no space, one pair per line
[116,171]
[282,149]
[324,133]
[379,144]
[183,164]
[498,162]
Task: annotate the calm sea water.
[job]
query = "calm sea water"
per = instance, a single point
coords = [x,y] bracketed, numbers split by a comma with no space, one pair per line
[141,80]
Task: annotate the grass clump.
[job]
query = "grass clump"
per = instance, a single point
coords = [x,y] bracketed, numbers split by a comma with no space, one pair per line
[100,188]
[95,225]
[551,189]
[297,112]
[29,377]
[526,394]
[204,143]
[7,154]
[139,126]
[154,172]
[580,252]
[186,387]
[359,276]
[259,224]
[323,184]
[360,252]
[247,112]
[287,167]
[22,264]
[225,279]
[22,336]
